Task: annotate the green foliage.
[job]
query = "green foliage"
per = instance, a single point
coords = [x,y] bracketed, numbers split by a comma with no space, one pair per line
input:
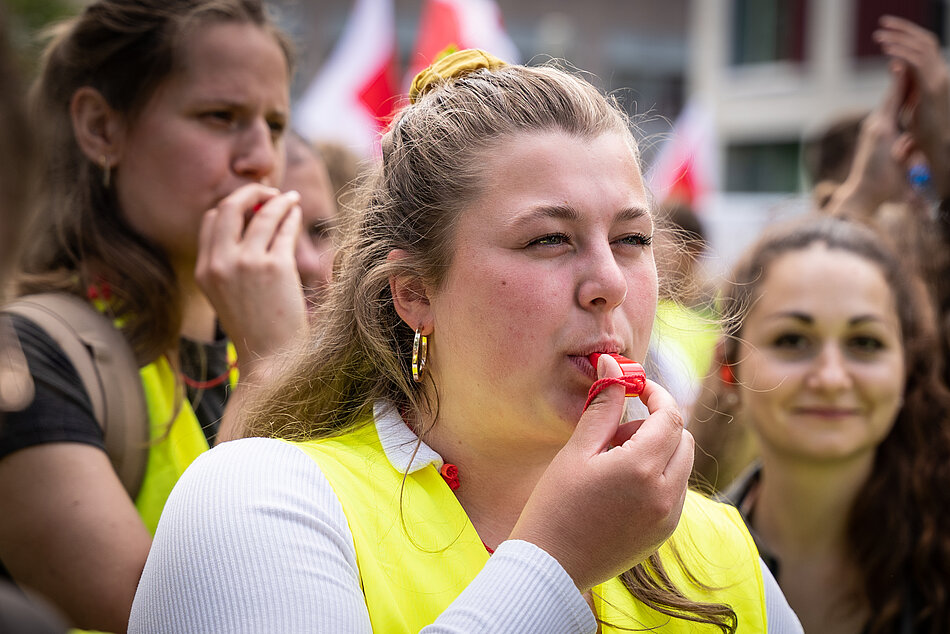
[26,18]
[34,14]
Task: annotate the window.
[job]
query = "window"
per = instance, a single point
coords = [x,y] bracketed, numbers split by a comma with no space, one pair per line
[927,13]
[768,31]
[762,167]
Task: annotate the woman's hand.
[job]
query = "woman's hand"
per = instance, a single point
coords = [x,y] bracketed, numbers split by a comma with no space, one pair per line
[246,268]
[615,492]
[926,99]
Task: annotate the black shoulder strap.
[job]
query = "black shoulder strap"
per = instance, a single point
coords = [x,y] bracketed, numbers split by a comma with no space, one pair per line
[109,372]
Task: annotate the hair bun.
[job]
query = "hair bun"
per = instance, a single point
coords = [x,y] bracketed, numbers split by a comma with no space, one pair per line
[455,64]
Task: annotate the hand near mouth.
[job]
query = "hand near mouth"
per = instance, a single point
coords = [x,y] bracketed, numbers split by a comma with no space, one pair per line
[615,491]
[247,270]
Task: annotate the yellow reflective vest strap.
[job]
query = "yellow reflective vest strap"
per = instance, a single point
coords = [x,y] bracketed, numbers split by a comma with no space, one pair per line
[172,447]
[234,375]
[690,332]
[714,546]
[412,564]
[416,549]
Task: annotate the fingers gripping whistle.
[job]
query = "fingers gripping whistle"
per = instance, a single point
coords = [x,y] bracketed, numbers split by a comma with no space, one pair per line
[634,378]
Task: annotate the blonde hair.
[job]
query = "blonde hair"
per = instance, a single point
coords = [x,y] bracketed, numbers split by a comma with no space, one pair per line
[433,166]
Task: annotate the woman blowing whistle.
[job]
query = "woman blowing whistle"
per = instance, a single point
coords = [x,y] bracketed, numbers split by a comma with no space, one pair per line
[428,463]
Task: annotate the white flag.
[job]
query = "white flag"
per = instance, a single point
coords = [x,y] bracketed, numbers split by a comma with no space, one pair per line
[354,94]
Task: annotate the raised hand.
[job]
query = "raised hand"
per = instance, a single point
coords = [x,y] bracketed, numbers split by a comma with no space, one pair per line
[246,268]
[878,173]
[925,108]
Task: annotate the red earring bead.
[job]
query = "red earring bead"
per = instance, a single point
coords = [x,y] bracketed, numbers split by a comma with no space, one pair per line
[726,374]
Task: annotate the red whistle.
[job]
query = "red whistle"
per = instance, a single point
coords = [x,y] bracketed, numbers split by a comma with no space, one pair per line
[634,378]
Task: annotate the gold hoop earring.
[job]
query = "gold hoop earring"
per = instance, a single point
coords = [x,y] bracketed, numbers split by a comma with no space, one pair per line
[420,351]
[106,172]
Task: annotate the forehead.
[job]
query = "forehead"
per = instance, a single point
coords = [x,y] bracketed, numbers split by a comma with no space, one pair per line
[237,59]
[557,169]
[825,284]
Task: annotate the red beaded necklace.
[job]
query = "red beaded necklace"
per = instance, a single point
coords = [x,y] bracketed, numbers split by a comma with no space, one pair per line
[210,383]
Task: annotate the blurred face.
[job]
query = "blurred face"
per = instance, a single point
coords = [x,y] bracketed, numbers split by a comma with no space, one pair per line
[551,263]
[210,127]
[315,249]
[821,366]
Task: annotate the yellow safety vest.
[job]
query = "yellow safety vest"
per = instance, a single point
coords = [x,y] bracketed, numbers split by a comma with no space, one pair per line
[171,448]
[413,564]
[691,333]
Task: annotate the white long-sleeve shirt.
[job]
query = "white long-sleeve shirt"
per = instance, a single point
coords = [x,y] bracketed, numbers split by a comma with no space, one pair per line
[254,539]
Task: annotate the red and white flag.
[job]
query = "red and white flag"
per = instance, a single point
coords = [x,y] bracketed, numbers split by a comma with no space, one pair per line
[463,24]
[686,170]
[354,94]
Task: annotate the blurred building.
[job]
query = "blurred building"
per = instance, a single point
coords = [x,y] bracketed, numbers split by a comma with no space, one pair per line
[768,73]
[636,48]
[771,73]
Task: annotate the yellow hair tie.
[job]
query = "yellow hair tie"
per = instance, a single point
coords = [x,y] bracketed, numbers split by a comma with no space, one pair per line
[455,64]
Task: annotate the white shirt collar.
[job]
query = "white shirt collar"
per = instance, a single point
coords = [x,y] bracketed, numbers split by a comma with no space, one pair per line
[400,442]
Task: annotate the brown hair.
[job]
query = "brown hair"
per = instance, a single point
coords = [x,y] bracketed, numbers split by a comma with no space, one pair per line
[898,526]
[125,50]
[432,167]
[345,169]
[828,154]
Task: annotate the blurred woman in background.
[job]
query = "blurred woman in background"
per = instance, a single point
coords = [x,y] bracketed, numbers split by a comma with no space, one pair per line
[831,358]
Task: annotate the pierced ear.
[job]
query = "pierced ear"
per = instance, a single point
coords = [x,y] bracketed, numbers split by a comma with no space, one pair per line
[728,385]
[410,297]
[99,128]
